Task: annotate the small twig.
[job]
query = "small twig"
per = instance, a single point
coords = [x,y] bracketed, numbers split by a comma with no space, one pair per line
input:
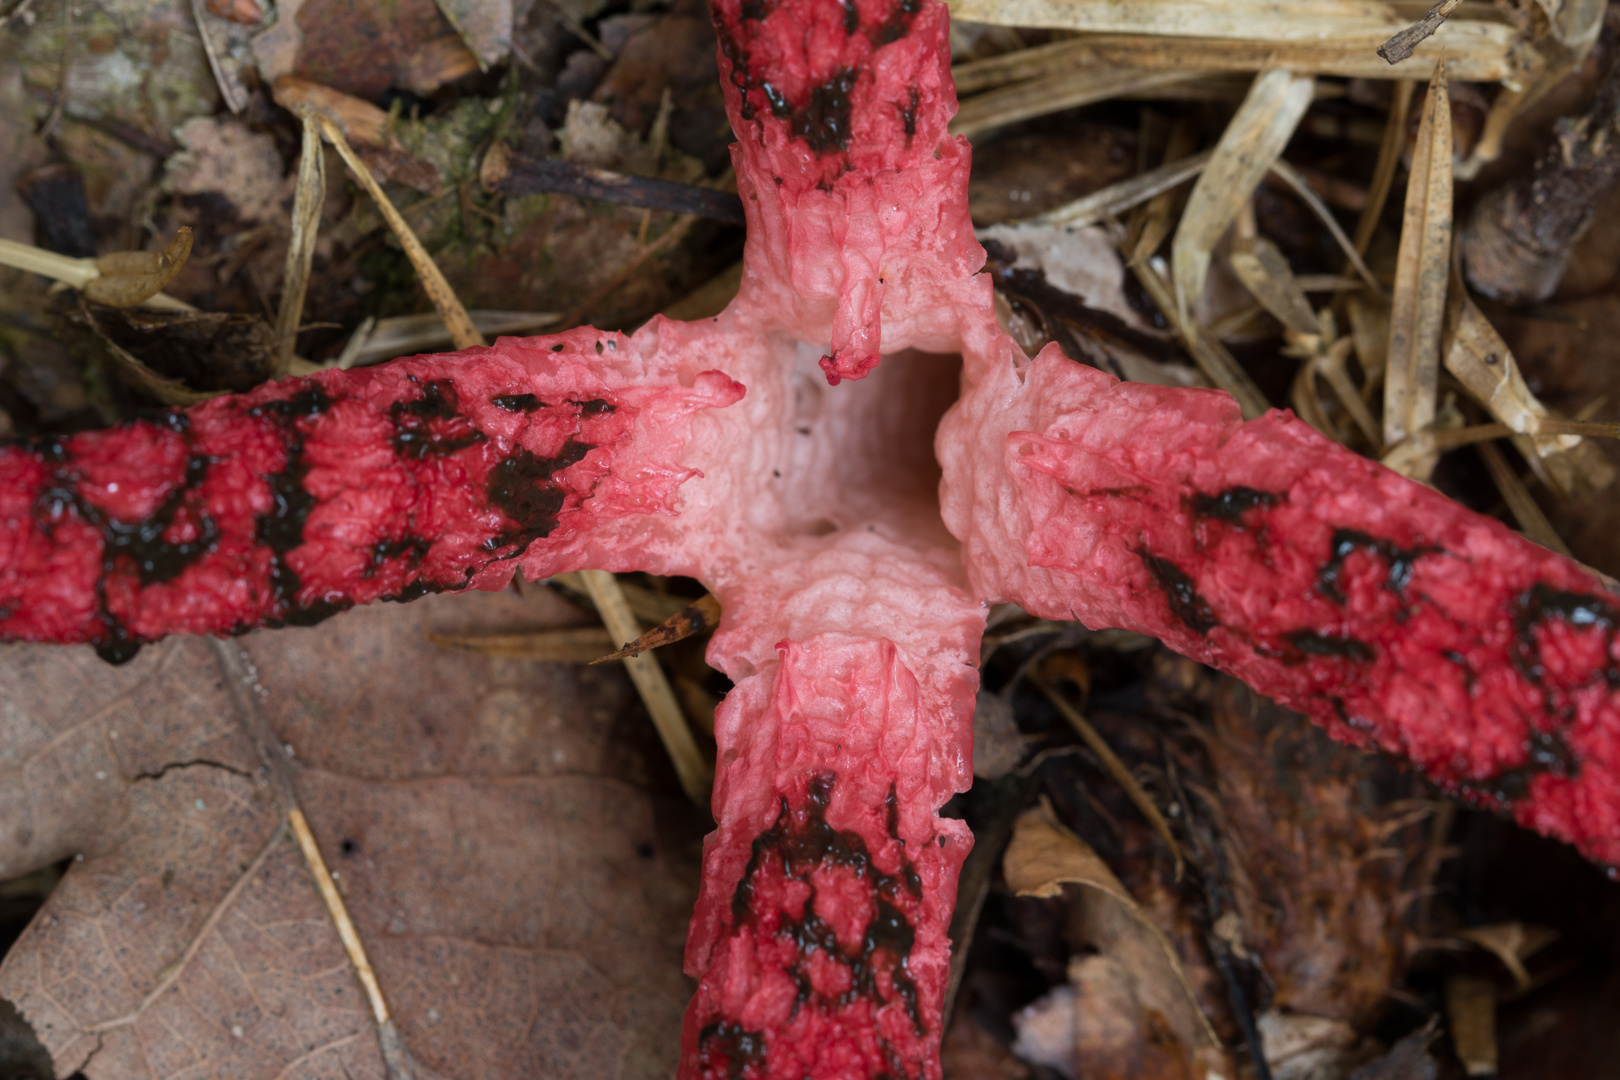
[695,774]
[1519,238]
[695,618]
[463,333]
[388,1038]
[1118,198]
[306,220]
[1116,768]
[1400,46]
[511,173]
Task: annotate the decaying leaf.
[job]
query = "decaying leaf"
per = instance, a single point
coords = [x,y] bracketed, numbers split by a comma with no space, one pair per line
[1044,857]
[488,823]
[183,357]
[1251,143]
[1422,273]
[485,25]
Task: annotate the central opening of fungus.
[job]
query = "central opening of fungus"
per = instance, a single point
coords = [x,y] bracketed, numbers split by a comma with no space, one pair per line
[862,453]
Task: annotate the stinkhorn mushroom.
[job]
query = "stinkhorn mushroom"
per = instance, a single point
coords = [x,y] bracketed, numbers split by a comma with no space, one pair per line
[854,535]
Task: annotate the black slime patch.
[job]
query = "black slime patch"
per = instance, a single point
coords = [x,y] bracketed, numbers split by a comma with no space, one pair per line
[139,543]
[801,847]
[1346,542]
[521,403]
[739,1049]
[1230,505]
[1316,643]
[521,487]
[1188,607]
[898,24]
[413,548]
[595,407]
[908,116]
[282,528]
[432,424]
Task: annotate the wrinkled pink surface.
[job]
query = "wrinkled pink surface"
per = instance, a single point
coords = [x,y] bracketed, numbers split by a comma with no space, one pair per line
[854,574]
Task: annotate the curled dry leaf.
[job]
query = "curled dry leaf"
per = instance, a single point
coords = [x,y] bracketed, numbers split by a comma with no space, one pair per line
[1422,273]
[129,278]
[1251,143]
[1044,857]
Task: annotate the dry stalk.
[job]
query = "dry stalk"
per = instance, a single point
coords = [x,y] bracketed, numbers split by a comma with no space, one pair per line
[306,219]
[462,331]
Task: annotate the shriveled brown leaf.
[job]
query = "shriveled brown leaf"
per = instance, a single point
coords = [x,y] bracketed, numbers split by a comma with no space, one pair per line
[521,893]
[1042,858]
[129,278]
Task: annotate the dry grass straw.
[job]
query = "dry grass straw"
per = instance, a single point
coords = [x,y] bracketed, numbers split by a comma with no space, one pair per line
[308,198]
[463,333]
[1248,147]
[695,774]
[1422,275]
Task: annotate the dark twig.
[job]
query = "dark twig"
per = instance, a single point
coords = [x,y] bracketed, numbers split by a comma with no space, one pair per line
[1400,46]
[518,174]
[1518,240]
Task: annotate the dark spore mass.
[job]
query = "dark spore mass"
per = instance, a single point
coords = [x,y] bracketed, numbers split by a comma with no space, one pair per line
[413,548]
[801,843]
[823,122]
[1316,643]
[1230,505]
[307,404]
[432,424]
[1545,752]
[740,1049]
[596,407]
[1582,611]
[521,487]
[1188,607]
[852,16]
[908,116]
[522,403]
[897,25]
[1346,542]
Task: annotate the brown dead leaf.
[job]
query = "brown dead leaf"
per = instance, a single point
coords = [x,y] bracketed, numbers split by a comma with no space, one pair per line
[520,888]
[1320,902]
[408,44]
[1042,858]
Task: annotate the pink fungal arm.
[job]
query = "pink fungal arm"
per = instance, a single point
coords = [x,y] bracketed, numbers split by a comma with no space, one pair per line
[1387,612]
[853,538]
